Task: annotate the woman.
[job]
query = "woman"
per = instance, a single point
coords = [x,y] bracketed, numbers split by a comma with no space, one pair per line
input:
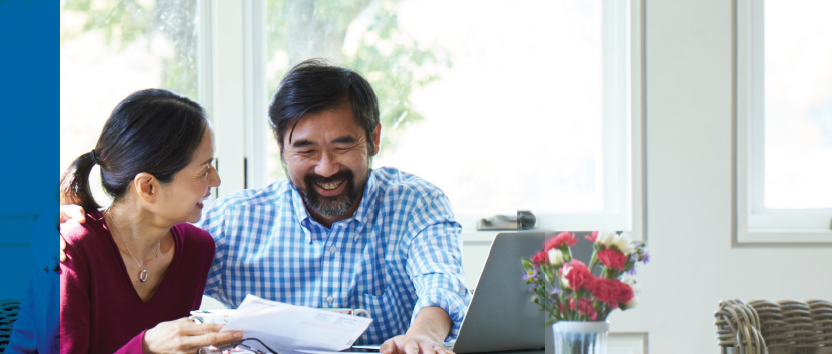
[135,267]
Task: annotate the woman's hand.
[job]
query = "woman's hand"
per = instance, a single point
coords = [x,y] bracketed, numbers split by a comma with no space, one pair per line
[69,212]
[185,336]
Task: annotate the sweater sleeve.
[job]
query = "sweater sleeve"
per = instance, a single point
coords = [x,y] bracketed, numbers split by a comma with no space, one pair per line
[75,302]
[76,307]
[134,346]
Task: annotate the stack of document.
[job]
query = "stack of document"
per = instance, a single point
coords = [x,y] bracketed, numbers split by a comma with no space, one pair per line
[291,329]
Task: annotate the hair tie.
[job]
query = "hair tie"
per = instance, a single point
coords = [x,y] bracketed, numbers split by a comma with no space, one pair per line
[94,158]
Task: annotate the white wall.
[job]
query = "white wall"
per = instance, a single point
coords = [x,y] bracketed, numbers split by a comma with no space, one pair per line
[689,189]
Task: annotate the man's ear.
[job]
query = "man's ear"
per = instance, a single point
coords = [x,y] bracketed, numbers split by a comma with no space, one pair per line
[376,139]
[147,187]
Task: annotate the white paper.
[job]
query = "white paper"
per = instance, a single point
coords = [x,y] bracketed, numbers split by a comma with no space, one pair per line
[375,347]
[290,328]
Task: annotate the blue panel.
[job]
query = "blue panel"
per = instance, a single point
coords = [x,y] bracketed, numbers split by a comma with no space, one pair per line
[29,135]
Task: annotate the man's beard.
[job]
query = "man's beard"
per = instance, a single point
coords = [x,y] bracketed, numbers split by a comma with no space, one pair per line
[335,205]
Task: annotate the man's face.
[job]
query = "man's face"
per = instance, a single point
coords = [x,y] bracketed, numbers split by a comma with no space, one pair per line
[328,162]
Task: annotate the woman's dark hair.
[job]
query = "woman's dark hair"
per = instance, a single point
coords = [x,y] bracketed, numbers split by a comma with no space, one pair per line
[315,85]
[153,131]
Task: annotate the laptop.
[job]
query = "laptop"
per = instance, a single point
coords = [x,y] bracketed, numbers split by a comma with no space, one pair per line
[501,316]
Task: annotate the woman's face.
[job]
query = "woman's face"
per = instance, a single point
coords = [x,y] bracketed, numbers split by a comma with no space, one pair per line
[183,196]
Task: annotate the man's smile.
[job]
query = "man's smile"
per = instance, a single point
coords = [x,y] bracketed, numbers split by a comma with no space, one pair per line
[330,189]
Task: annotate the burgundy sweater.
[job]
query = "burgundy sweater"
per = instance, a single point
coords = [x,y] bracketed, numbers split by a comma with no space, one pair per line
[101,311]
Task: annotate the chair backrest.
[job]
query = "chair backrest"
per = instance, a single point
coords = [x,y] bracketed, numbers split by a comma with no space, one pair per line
[8,313]
[739,326]
[784,324]
[795,324]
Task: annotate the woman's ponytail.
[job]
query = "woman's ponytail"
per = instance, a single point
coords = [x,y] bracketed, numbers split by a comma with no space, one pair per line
[75,183]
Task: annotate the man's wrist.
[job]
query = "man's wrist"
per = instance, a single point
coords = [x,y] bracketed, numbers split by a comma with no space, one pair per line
[432,322]
[426,333]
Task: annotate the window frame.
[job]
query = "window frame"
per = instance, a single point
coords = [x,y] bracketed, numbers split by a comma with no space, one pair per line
[241,148]
[624,192]
[754,223]
[234,85]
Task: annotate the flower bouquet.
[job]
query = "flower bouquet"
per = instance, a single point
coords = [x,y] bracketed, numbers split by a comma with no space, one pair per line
[567,289]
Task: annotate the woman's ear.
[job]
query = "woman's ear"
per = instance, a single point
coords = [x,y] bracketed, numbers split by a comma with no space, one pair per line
[147,187]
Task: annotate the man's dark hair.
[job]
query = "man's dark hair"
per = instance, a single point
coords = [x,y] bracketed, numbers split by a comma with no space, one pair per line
[316,85]
[153,131]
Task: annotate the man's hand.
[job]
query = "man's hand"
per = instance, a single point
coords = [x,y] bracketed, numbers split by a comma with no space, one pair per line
[185,336]
[72,213]
[425,336]
[413,344]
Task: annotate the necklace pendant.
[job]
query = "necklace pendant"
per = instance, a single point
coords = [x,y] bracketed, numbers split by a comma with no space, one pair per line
[143,276]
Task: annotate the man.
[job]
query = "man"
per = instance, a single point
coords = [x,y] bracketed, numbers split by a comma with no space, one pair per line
[336,233]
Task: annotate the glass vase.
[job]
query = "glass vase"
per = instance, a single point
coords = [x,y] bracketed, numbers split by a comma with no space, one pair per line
[574,337]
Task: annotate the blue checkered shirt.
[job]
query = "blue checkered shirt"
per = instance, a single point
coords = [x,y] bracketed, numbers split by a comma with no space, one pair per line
[400,252]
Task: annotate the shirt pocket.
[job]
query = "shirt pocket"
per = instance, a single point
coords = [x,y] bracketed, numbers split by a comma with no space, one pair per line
[387,312]
[371,275]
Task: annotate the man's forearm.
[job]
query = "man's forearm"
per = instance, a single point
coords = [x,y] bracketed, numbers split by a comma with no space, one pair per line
[432,321]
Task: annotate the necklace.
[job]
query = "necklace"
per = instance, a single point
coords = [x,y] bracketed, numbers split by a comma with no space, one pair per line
[143,273]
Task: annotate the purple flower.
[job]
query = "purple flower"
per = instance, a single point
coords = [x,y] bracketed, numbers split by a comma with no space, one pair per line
[556,291]
[632,271]
[645,256]
[534,286]
[531,274]
[634,257]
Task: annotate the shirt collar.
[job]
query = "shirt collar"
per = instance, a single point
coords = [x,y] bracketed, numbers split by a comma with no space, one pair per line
[300,212]
[363,214]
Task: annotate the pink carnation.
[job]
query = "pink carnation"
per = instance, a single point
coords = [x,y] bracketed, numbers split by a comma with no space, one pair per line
[560,239]
[584,307]
[540,257]
[578,275]
[625,293]
[612,259]
[592,237]
[607,291]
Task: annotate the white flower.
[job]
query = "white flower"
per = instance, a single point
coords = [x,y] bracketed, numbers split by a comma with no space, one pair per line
[630,304]
[555,257]
[605,238]
[624,244]
[629,280]
[566,268]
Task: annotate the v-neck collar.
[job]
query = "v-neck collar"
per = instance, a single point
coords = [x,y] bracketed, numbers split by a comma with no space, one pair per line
[126,277]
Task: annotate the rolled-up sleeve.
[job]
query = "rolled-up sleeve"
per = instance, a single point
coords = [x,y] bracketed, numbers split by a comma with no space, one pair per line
[434,261]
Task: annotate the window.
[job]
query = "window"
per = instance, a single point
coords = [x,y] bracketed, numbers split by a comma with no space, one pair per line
[110,49]
[506,105]
[784,118]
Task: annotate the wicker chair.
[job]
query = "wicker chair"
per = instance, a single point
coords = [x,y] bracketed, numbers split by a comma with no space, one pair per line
[787,326]
[8,313]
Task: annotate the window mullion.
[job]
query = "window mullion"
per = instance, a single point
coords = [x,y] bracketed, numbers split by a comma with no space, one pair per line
[228,92]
